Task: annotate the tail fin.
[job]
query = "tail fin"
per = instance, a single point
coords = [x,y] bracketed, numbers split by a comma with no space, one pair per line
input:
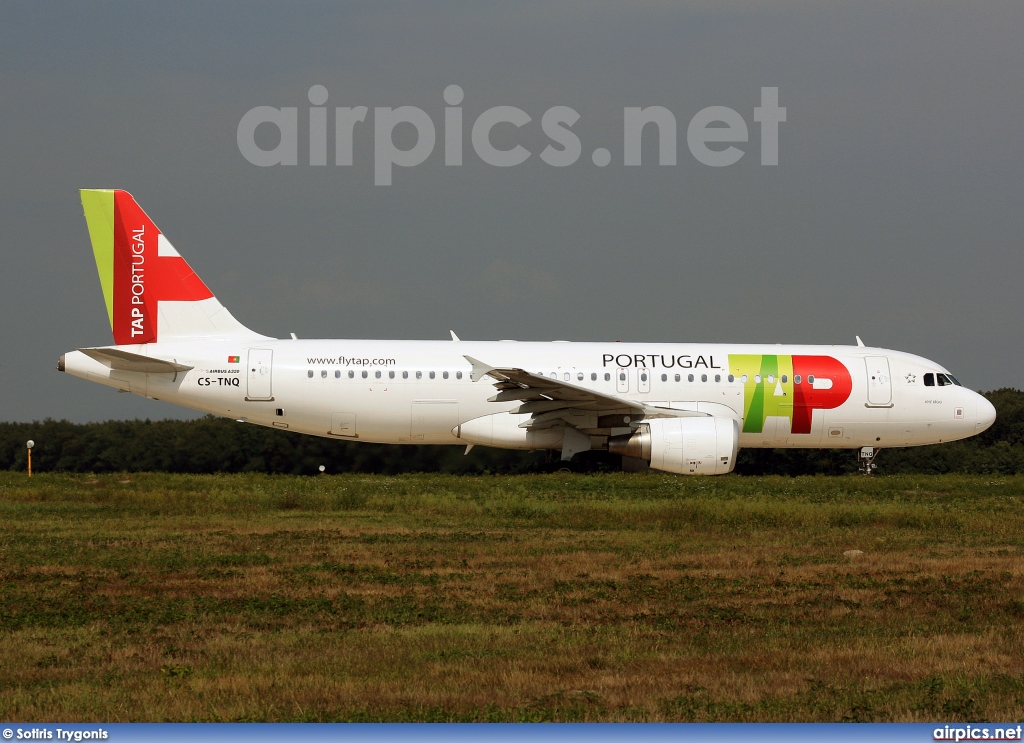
[151,293]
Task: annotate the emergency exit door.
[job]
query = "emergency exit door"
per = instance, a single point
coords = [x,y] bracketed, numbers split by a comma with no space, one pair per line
[622,380]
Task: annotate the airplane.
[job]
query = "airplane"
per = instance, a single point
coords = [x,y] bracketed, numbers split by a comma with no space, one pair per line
[684,408]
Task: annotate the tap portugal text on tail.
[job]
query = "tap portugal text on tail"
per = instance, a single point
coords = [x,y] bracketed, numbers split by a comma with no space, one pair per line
[685,408]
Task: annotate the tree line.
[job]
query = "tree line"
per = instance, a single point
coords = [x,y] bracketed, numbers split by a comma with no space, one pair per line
[213,444]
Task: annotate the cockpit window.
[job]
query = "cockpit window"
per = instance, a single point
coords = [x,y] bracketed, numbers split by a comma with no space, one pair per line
[943,380]
[929,380]
[954,380]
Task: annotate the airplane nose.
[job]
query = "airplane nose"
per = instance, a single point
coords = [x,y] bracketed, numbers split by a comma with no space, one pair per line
[986,415]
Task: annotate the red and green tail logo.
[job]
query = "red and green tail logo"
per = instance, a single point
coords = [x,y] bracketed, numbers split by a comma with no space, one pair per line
[790,387]
[138,266]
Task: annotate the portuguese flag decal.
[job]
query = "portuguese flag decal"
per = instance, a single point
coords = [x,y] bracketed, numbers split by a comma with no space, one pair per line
[234,359]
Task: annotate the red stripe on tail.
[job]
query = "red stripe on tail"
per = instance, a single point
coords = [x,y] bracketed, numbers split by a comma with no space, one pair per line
[142,278]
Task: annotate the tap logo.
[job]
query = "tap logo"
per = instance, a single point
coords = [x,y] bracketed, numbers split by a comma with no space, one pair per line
[138,266]
[790,387]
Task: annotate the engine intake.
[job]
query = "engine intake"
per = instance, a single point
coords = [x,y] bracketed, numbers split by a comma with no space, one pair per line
[685,446]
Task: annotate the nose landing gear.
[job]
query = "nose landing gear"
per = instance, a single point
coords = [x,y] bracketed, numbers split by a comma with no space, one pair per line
[866,459]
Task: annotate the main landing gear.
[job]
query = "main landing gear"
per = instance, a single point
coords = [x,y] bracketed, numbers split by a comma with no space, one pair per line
[866,459]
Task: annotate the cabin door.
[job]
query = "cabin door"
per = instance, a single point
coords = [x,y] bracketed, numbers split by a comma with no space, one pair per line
[879,382]
[259,374]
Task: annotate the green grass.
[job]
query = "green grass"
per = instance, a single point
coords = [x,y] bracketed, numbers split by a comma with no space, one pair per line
[554,597]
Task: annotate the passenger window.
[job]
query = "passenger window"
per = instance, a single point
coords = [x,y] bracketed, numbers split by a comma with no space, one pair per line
[757,378]
[678,377]
[310,374]
[622,376]
[664,377]
[419,375]
[703,377]
[810,379]
[376,374]
[785,378]
[579,377]
[929,380]
[732,378]
[351,374]
[607,377]
[337,374]
[643,377]
[743,379]
[405,375]
[796,379]
[391,375]
[323,374]
[689,377]
[771,379]
[566,377]
[431,375]
[458,375]
[444,375]
[718,377]
[365,374]
[593,376]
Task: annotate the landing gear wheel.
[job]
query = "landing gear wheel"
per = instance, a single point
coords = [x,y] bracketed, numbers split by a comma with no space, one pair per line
[866,459]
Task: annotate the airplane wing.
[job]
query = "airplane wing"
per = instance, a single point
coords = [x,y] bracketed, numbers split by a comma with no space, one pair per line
[133,362]
[552,402]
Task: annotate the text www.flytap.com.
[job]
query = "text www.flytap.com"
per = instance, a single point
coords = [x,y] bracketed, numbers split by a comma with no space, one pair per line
[347,361]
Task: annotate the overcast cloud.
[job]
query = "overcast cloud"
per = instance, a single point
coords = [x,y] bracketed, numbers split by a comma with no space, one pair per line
[895,211]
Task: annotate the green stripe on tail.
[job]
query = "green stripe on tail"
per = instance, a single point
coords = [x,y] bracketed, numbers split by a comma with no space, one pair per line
[99,214]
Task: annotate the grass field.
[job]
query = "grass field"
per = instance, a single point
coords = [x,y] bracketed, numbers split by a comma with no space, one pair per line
[550,597]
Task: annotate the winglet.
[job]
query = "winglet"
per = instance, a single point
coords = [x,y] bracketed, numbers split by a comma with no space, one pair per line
[454,337]
[480,369]
[859,341]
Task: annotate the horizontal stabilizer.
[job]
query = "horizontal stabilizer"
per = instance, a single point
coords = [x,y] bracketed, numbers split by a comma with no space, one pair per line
[133,362]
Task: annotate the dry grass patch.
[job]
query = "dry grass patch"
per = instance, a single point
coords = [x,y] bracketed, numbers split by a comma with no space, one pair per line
[510,598]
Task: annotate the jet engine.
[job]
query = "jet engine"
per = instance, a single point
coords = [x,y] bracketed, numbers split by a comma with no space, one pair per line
[685,446]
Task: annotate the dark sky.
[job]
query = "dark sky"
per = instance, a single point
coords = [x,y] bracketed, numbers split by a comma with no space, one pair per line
[895,211]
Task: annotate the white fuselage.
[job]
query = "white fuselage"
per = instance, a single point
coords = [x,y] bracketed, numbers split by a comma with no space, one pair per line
[421,392]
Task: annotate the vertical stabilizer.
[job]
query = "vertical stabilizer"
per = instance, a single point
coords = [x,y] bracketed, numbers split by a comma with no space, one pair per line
[151,293]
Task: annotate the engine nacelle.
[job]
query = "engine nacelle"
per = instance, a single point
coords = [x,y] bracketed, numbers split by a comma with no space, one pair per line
[685,446]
